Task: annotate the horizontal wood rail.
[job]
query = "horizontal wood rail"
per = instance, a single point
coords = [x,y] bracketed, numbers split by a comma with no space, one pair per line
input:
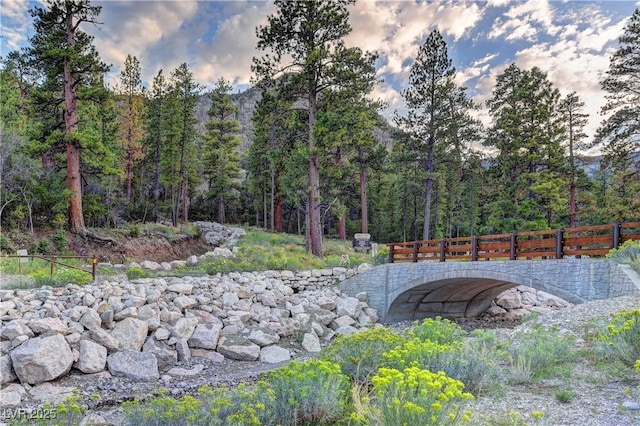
[53,260]
[547,244]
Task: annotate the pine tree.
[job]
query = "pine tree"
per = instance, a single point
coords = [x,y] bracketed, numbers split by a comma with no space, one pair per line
[434,105]
[619,133]
[67,60]
[527,134]
[222,160]
[574,121]
[131,113]
[155,124]
[306,39]
[181,153]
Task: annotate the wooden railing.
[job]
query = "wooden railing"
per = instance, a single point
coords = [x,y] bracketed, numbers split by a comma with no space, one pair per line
[548,244]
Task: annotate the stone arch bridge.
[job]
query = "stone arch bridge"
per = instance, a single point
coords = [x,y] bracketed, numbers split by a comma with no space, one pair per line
[413,291]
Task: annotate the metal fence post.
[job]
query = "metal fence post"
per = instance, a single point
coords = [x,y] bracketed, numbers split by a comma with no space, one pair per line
[474,248]
[513,246]
[559,243]
[617,227]
[443,250]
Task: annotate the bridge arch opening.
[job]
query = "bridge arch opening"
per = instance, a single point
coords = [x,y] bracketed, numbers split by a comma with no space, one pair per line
[465,293]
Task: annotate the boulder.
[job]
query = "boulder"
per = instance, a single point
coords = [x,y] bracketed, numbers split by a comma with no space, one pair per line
[92,358]
[14,329]
[42,325]
[311,343]
[6,370]
[238,348]
[166,356]
[140,366]
[206,335]
[42,359]
[131,333]
[274,354]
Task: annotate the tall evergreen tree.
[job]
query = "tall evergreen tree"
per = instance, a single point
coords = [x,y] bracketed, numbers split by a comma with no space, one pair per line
[221,158]
[619,133]
[431,120]
[131,128]
[181,158]
[68,61]
[527,135]
[574,120]
[155,120]
[306,39]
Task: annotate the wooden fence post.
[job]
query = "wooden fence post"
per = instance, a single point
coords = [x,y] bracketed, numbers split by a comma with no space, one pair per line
[474,248]
[443,250]
[513,247]
[391,252]
[415,252]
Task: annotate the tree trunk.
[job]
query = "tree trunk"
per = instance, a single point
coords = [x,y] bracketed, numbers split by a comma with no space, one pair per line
[572,184]
[315,227]
[426,230]
[74,181]
[364,206]
[185,200]
[278,212]
[272,224]
[221,212]
[342,227]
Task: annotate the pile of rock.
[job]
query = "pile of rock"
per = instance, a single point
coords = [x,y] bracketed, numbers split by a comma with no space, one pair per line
[139,329]
[218,235]
[520,301]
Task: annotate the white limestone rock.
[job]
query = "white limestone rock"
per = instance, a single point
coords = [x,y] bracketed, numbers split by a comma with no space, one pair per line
[131,333]
[140,366]
[311,343]
[263,337]
[42,325]
[206,335]
[238,348]
[7,374]
[15,328]
[274,354]
[92,358]
[42,359]
[102,337]
[183,328]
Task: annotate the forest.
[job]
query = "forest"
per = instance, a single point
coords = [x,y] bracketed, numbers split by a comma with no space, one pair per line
[321,160]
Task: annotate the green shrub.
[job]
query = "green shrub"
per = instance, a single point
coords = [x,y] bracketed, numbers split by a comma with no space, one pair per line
[437,330]
[628,253]
[41,246]
[60,240]
[538,352]
[621,340]
[312,392]
[136,272]
[565,396]
[69,413]
[361,354]
[414,397]
[5,245]
[65,276]
[163,410]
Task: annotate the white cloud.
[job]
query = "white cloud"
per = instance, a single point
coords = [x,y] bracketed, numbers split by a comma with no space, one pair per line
[229,54]
[157,33]
[525,20]
[15,22]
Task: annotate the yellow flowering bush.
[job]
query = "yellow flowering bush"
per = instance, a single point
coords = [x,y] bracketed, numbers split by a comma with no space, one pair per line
[622,337]
[416,397]
[438,330]
[360,354]
[311,392]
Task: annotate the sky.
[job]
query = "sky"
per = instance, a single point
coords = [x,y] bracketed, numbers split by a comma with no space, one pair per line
[571,41]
